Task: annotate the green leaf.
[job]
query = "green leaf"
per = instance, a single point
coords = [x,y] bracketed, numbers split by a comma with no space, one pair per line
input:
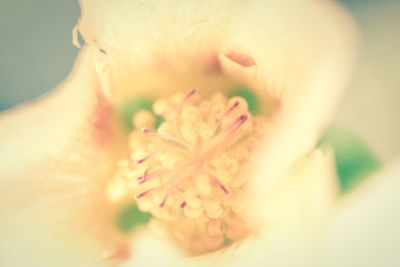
[130,107]
[355,161]
[159,120]
[250,96]
[131,217]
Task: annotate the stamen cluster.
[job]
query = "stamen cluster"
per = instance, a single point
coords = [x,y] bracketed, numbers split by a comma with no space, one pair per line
[190,172]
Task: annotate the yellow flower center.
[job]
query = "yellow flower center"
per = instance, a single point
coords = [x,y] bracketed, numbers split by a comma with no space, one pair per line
[189,173]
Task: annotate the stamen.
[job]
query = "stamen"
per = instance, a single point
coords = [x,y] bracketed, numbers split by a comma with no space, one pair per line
[150,155]
[146,177]
[188,96]
[237,124]
[170,139]
[217,181]
[143,194]
[233,107]
[162,204]
[220,185]
[217,141]
[177,124]
[143,178]
[190,171]
[226,113]
[173,184]
[140,161]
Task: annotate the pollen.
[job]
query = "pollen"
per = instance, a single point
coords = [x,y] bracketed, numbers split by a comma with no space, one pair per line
[190,173]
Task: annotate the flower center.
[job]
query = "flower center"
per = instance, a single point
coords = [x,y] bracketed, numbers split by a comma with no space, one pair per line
[193,167]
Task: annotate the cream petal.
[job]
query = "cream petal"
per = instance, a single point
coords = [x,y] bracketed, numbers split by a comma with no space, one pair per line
[44,128]
[365,231]
[137,30]
[49,201]
[304,52]
[306,194]
[32,238]
[138,40]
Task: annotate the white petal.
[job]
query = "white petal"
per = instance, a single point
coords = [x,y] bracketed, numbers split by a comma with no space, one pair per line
[43,128]
[366,231]
[304,195]
[304,52]
[47,212]
[136,30]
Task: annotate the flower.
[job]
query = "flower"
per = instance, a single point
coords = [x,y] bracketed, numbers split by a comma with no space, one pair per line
[297,63]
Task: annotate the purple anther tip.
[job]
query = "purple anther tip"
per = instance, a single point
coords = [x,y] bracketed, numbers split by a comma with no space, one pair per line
[145,130]
[162,204]
[243,117]
[192,92]
[139,196]
[183,204]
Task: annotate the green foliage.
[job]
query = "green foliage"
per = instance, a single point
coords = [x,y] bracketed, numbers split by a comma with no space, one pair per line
[355,161]
[250,96]
[131,217]
[130,107]
[159,120]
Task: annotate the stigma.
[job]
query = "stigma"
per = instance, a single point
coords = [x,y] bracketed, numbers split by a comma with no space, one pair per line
[190,172]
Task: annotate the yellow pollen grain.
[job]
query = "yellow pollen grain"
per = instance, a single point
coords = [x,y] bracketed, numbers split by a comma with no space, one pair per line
[143,118]
[191,197]
[160,107]
[203,184]
[192,212]
[212,206]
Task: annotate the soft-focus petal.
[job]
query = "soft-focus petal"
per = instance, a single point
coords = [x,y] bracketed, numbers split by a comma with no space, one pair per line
[366,230]
[304,53]
[48,190]
[33,132]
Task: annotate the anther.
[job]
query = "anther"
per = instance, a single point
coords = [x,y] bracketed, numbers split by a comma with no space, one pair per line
[232,108]
[150,155]
[189,95]
[143,194]
[140,161]
[166,196]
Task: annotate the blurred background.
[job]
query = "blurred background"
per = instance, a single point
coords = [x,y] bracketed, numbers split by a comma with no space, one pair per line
[36,54]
